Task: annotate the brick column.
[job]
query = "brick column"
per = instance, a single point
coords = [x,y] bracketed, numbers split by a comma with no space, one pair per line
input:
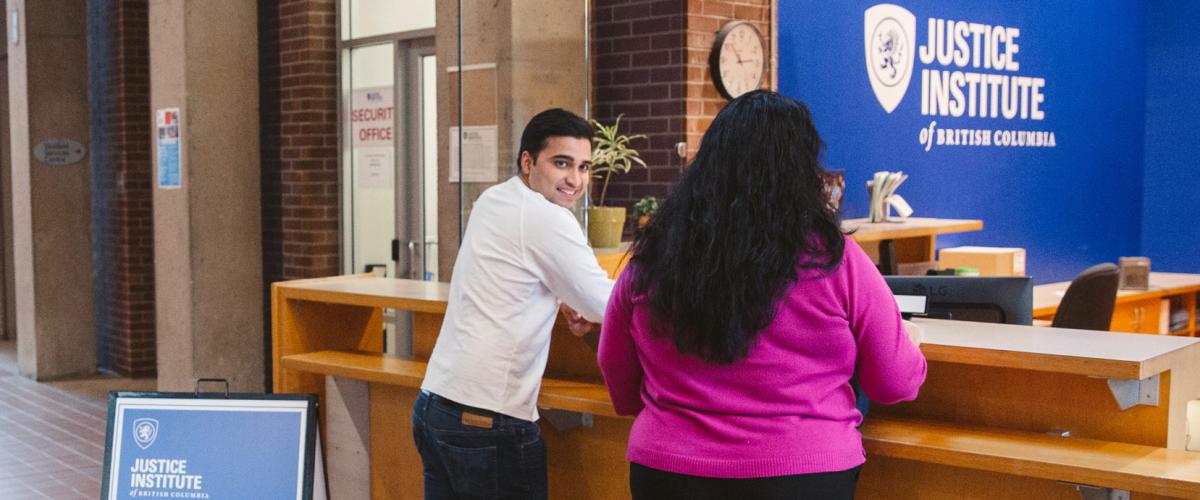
[298,111]
[638,53]
[298,75]
[704,19]
[122,221]
[651,64]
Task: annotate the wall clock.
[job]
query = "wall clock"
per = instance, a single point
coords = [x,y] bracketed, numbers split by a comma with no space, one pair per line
[738,61]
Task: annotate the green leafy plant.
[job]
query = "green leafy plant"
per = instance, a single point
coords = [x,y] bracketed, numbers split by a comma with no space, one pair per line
[646,206]
[611,154]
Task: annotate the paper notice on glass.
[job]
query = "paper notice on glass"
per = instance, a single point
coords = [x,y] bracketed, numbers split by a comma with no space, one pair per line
[373,168]
[372,122]
[167,121]
[479,152]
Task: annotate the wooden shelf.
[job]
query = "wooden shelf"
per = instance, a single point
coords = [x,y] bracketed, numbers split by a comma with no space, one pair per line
[1092,462]
[568,395]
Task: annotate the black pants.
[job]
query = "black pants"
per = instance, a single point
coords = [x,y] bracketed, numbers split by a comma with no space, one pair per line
[654,484]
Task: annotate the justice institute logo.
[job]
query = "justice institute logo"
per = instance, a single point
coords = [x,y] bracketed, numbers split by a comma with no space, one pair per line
[145,431]
[890,38]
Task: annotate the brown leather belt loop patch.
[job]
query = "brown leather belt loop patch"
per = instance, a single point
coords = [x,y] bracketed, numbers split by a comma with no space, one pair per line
[474,420]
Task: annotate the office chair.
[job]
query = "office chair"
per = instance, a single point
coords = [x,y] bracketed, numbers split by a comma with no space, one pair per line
[1089,300]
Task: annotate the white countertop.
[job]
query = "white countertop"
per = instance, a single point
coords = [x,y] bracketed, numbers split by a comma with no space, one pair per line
[1084,352]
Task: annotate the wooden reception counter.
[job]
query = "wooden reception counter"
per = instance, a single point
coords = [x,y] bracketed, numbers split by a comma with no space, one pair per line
[989,423]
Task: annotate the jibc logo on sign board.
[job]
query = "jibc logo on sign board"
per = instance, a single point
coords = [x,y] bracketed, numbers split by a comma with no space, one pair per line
[969,71]
[891,38]
[172,445]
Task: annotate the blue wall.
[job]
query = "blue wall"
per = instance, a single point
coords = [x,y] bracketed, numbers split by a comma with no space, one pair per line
[1170,234]
[1070,206]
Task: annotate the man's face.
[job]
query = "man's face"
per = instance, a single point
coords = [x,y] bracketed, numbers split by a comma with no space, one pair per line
[561,170]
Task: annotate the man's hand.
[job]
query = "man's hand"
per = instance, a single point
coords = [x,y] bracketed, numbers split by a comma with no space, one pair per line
[575,322]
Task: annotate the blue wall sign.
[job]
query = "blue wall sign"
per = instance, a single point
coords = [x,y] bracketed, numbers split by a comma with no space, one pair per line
[1028,115]
[180,446]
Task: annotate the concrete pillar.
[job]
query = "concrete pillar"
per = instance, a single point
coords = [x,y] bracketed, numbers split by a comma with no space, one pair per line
[207,232]
[51,216]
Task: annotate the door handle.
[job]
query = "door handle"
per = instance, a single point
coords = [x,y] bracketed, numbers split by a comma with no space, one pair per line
[412,259]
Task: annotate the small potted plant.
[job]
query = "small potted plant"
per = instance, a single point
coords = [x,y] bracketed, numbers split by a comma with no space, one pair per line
[610,154]
[645,208]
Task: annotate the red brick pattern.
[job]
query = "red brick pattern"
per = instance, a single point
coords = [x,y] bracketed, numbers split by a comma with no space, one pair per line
[123,219]
[705,18]
[638,70]
[650,62]
[298,79]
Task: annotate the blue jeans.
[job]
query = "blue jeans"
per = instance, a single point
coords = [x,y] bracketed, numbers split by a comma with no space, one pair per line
[470,453]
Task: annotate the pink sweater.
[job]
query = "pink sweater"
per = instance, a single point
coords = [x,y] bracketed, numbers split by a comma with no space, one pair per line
[787,408]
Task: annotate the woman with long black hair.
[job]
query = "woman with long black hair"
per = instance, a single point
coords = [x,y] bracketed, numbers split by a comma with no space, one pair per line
[744,312]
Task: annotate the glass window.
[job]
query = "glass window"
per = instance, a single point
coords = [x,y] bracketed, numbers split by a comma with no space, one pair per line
[366,18]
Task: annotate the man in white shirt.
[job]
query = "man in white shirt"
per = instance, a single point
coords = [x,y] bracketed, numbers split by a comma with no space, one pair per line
[523,254]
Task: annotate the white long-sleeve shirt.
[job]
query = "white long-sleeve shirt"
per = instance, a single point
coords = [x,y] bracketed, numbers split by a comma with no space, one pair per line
[521,256]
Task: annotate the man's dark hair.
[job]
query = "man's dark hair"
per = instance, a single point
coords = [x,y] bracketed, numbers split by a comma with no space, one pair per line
[556,122]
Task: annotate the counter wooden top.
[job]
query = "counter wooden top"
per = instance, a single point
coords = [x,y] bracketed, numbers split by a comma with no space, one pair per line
[1098,354]
[371,291]
[584,396]
[1047,297]
[908,228]
[1081,352]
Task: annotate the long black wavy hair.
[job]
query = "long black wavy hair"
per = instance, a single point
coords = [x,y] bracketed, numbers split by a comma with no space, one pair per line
[728,242]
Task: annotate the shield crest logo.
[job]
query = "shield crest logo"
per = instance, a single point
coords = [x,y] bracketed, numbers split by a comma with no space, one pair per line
[889,37]
[145,431]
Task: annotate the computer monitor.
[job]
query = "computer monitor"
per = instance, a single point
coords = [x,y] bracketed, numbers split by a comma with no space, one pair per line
[971,298]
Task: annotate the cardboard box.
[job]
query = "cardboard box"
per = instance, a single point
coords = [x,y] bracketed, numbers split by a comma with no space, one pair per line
[990,261]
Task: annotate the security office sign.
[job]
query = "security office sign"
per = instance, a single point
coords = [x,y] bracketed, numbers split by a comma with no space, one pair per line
[178,445]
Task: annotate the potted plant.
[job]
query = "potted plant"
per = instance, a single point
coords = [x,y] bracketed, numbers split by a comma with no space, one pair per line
[645,207]
[610,154]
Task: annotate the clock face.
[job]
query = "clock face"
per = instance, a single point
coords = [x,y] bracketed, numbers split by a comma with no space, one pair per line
[739,62]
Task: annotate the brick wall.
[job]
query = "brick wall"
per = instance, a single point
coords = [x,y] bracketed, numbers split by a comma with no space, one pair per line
[638,69]
[298,76]
[298,113]
[650,62]
[122,218]
[704,19]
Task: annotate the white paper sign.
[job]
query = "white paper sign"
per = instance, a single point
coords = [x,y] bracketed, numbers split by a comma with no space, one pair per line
[479,152]
[373,167]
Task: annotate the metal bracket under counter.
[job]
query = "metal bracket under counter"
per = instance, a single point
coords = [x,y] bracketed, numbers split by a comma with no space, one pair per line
[1087,492]
[1130,393]
[566,420]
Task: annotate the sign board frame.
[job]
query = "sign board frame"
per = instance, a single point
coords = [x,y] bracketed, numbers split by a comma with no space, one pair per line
[310,465]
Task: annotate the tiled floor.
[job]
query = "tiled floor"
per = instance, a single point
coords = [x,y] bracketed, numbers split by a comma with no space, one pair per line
[52,435]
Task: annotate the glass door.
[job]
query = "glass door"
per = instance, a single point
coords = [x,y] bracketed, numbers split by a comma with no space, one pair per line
[369,158]
[386,50]
[415,248]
